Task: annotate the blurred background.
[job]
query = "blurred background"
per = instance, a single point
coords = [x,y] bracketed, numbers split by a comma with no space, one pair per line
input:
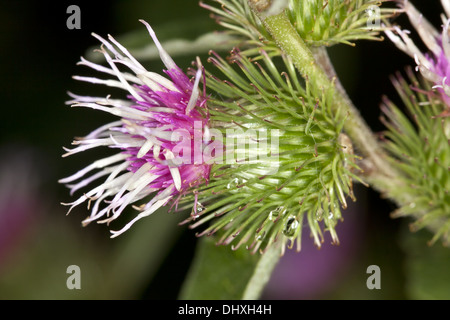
[38,242]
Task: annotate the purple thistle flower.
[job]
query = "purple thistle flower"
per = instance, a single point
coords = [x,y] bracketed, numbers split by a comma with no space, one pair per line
[434,65]
[157,113]
[441,68]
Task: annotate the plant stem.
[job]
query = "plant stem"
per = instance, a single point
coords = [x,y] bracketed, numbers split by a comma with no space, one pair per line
[361,135]
[262,273]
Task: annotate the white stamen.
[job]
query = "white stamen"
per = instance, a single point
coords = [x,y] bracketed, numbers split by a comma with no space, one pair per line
[103,69]
[108,45]
[93,144]
[97,164]
[112,182]
[122,112]
[87,181]
[426,31]
[206,135]
[130,183]
[156,151]
[395,40]
[145,148]
[109,82]
[416,59]
[161,134]
[121,77]
[112,185]
[176,177]
[445,39]
[163,195]
[166,59]
[441,86]
[95,134]
[161,80]
[144,181]
[446,5]
[195,92]
[98,100]
[94,215]
[158,204]
[127,53]
[150,83]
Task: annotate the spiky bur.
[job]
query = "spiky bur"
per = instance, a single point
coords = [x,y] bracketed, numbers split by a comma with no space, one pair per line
[335,21]
[238,18]
[422,151]
[318,22]
[155,121]
[292,166]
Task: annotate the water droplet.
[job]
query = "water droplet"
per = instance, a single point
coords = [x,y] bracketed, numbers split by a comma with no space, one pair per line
[234,183]
[260,237]
[331,215]
[319,214]
[196,213]
[291,226]
[273,215]
[200,207]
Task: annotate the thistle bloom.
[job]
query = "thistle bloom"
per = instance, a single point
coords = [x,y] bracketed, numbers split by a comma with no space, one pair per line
[147,135]
[420,148]
[434,66]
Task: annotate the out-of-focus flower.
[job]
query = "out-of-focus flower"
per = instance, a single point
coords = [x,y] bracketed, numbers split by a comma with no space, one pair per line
[433,65]
[315,273]
[20,202]
[420,148]
[157,114]
[421,154]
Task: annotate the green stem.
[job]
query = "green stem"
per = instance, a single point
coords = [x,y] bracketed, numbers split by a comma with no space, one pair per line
[262,273]
[288,39]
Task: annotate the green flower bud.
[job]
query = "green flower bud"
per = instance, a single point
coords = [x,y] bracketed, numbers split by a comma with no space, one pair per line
[293,165]
[335,21]
[422,153]
[318,22]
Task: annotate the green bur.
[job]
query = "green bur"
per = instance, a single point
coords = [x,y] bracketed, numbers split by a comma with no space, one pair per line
[422,155]
[304,176]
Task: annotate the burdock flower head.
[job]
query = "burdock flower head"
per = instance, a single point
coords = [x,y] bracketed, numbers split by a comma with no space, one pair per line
[434,65]
[154,134]
[421,147]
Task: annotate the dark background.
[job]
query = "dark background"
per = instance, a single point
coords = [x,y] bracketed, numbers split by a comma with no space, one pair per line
[37,59]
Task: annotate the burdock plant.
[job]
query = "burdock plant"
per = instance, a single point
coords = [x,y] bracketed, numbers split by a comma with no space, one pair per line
[259,142]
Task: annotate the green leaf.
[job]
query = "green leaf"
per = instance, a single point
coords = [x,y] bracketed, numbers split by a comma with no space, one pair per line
[195,38]
[219,273]
[427,267]
[145,49]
